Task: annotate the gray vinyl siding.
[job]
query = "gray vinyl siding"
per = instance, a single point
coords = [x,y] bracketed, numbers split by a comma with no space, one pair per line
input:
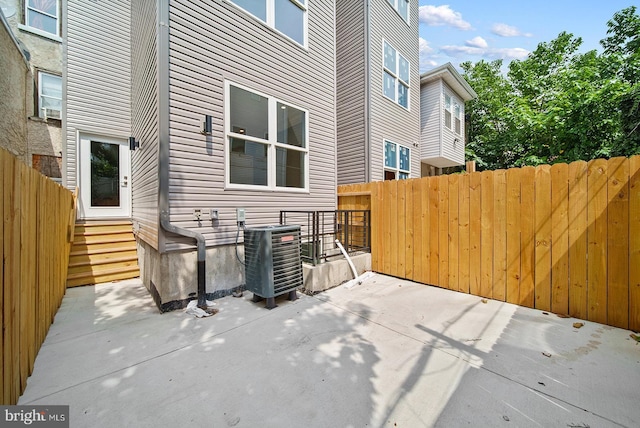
[390,121]
[206,49]
[431,119]
[97,74]
[144,120]
[448,152]
[351,93]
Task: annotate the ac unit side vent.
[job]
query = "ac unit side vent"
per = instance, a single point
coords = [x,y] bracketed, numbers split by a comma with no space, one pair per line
[273,261]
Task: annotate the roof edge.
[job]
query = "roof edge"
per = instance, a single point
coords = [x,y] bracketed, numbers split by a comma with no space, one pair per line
[449,74]
[16,42]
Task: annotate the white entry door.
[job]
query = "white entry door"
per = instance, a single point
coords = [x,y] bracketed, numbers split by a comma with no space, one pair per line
[105,178]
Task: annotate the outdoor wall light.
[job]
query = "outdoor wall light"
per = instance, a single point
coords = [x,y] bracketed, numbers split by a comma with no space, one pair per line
[207,125]
[133,144]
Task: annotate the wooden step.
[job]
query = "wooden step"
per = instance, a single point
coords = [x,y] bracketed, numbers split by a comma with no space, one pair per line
[109,247]
[102,251]
[103,239]
[102,258]
[105,275]
[102,227]
[126,263]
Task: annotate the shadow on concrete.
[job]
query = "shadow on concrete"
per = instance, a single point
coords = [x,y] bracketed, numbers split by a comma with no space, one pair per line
[118,362]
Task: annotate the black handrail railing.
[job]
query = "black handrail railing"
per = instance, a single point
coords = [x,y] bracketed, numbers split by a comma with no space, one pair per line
[320,230]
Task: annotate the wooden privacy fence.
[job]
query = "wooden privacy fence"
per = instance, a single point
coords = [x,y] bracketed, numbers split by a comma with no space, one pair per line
[36,228]
[562,238]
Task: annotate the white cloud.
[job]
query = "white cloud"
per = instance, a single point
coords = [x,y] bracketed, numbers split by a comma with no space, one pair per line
[426,59]
[424,47]
[504,30]
[477,42]
[436,16]
[491,53]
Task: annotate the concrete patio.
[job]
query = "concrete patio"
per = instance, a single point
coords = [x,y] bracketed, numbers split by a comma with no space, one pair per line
[387,352]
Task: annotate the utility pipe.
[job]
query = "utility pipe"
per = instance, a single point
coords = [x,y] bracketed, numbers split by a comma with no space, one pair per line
[346,256]
[202,254]
[164,152]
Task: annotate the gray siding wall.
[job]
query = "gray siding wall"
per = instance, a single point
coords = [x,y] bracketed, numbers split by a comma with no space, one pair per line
[431,119]
[389,120]
[97,74]
[351,84]
[144,120]
[455,154]
[206,47]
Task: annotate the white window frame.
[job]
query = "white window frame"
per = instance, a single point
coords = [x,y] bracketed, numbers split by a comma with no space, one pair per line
[395,5]
[26,27]
[271,18]
[396,76]
[457,117]
[271,142]
[397,170]
[448,110]
[41,112]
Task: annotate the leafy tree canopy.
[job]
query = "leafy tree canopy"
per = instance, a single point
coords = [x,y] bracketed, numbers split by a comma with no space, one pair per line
[559,105]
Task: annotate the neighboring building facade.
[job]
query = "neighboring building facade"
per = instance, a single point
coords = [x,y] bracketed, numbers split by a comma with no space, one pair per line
[16,82]
[443,93]
[378,91]
[37,26]
[262,71]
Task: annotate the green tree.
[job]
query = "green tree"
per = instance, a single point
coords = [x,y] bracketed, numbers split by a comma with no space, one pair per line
[623,41]
[558,105]
[488,115]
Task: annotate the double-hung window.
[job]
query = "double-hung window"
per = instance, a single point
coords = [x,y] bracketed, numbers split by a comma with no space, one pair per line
[287,16]
[447,111]
[395,76]
[457,117]
[402,7]
[49,95]
[266,141]
[42,17]
[397,161]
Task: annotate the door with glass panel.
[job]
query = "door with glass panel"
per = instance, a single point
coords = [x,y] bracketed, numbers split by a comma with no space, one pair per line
[105,178]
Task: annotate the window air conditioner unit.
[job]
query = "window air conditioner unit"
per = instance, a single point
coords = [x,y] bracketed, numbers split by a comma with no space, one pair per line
[49,113]
[273,264]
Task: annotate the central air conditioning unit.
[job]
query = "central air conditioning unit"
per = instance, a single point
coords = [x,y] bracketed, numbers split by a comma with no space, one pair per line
[272,262]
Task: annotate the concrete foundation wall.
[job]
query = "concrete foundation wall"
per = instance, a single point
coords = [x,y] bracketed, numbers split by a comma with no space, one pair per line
[328,275]
[172,278]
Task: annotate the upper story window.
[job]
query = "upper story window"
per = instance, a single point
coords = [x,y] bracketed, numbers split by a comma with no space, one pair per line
[287,16]
[49,95]
[453,111]
[397,161]
[396,76]
[266,141]
[42,17]
[447,111]
[402,7]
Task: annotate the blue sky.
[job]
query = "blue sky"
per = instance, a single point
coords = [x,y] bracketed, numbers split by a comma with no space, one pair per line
[458,31]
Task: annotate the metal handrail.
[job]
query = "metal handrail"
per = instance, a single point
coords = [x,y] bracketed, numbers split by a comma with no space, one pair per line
[320,229]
